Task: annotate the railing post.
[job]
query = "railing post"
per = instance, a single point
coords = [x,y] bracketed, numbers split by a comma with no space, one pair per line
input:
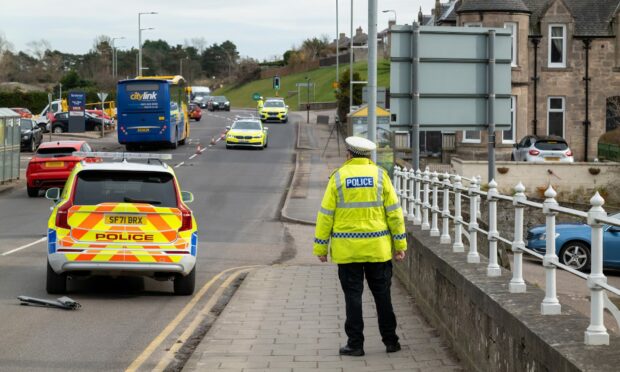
[403,190]
[550,304]
[517,284]
[458,218]
[478,197]
[473,256]
[418,199]
[596,334]
[426,206]
[396,181]
[435,210]
[445,225]
[493,268]
[411,178]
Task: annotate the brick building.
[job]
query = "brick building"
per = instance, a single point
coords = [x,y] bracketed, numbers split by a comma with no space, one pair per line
[566,67]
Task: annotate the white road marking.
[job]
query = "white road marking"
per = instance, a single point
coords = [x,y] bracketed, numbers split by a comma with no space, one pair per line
[180,164]
[193,156]
[24,246]
[203,150]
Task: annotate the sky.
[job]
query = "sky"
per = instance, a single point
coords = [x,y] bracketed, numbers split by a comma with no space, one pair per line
[260,29]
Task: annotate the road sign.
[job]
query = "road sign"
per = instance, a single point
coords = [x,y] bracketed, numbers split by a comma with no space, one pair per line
[453,68]
[451,78]
[256,96]
[102,96]
[276,82]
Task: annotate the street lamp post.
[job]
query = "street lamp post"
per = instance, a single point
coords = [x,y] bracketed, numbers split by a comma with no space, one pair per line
[140,29]
[114,62]
[391,11]
[337,46]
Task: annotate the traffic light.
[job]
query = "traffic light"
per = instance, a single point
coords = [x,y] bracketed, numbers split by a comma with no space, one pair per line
[276,82]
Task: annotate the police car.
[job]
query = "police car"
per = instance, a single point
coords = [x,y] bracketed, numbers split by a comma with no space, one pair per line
[274,109]
[122,218]
[247,131]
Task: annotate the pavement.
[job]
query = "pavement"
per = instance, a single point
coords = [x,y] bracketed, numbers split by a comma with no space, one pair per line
[290,317]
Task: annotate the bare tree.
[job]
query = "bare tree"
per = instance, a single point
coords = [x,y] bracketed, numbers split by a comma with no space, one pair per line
[200,43]
[37,48]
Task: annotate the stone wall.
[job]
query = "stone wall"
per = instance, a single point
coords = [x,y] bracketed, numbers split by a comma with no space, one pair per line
[488,328]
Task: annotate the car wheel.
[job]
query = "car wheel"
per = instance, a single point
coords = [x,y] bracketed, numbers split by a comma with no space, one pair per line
[56,283]
[58,129]
[33,145]
[33,192]
[285,121]
[228,147]
[130,147]
[266,143]
[184,285]
[576,255]
[97,128]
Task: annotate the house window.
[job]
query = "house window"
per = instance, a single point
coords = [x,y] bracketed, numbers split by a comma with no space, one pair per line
[508,136]
[513,27]
[555,117]
[471,136]
[557,46]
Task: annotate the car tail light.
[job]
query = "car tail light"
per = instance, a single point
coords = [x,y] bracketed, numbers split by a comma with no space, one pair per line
[62,215]
[569,153]
[534,152]
[186,218]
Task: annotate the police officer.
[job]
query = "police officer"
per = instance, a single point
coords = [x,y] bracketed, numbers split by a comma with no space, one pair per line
[361,216]
[260,103]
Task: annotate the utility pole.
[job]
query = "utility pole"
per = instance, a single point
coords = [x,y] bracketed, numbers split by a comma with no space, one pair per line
[140,29]
[372,74]
[337,46]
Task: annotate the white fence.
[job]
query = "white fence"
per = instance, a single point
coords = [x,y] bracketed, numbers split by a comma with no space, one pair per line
[419,194]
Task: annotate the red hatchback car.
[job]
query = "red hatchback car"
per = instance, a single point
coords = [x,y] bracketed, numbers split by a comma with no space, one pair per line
[51,165]
[195,112]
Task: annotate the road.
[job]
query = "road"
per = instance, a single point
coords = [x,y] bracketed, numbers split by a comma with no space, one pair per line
[238,195]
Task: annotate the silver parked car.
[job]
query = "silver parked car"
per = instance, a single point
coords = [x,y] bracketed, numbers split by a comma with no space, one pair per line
[542,149]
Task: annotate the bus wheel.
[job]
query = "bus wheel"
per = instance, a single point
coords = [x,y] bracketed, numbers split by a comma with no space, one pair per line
[182,142]
[131,147]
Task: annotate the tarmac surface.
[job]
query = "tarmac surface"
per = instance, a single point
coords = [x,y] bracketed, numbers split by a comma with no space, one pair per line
[291,317]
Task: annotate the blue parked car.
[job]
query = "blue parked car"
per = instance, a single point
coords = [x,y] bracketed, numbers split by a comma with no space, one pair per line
[572,244]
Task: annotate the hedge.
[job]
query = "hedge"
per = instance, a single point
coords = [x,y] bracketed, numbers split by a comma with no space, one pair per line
[36,101]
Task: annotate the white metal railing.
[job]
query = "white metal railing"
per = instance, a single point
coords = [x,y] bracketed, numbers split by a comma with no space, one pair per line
[419,193]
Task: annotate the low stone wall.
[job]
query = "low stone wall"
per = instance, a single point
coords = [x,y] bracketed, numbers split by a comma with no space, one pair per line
[318,106]
[489,328]
[566,178]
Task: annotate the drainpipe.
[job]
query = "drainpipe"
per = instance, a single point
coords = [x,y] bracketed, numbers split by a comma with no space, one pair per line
[587,44]
[535,78]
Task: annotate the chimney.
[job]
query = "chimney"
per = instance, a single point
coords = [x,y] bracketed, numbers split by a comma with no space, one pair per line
[342,36]
[420,16]
[359,31]
[391,23]
[437,11]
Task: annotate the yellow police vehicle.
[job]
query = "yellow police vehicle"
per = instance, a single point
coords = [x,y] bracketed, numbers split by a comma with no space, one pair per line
[127,217]
[247,132]
[274,109]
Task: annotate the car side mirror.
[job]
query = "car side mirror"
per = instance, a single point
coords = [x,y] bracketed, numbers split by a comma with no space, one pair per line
[53,194]
[266,128]
[228,127]
[286,106]
[187,197]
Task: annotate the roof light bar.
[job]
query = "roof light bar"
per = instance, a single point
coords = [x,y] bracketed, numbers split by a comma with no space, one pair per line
[122,155]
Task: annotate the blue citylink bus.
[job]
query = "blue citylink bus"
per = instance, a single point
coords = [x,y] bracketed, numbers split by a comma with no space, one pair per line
[152,110]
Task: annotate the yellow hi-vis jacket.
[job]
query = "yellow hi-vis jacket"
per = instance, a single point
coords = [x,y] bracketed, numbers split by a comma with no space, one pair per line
[360,214]
[260,104]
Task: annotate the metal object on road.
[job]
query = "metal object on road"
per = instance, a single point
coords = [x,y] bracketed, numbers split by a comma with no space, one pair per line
[64,303]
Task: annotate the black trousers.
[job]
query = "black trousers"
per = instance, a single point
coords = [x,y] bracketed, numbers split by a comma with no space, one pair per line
[379,278]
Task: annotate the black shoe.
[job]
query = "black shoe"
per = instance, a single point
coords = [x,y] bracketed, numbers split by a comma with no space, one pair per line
[392,348]
[346,350]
